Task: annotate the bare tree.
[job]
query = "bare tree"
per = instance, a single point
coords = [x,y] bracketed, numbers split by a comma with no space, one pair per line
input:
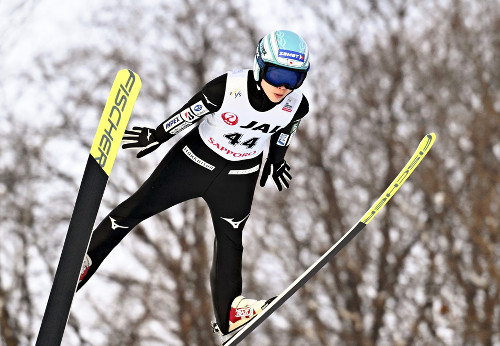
[384,74]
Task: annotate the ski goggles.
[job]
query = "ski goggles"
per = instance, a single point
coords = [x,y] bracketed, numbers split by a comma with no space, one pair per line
[279,76]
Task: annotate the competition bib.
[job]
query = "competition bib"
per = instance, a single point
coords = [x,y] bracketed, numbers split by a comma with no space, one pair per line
[237,131]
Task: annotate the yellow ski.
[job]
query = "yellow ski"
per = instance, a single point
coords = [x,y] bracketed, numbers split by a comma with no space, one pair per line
[423,149]
[102,155]
[115,118]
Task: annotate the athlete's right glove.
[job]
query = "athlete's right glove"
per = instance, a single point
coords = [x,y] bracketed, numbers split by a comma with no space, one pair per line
[280,172]
[142,138]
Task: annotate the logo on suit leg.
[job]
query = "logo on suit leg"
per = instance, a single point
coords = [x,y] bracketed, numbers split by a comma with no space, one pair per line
[233,223]
[114,225]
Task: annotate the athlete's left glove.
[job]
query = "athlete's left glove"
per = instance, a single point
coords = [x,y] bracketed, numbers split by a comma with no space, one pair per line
[280,172]
[142,138]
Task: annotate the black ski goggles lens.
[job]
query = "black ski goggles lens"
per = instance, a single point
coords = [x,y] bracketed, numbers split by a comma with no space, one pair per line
[278,76]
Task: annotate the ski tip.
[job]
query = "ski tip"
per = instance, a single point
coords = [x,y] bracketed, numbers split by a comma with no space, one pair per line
[426,143]
[432,136]
[115,117]
[127,72]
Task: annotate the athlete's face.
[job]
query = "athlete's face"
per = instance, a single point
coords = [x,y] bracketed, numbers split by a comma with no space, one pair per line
[275,94]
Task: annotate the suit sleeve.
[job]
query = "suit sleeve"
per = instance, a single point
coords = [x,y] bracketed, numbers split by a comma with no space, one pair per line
[208,100]
[280,141]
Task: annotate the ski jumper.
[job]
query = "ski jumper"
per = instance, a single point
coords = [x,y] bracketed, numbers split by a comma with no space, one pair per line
[218,161]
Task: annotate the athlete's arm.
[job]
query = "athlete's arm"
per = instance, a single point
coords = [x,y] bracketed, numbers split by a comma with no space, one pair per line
[280,141]
[275,165]
[208,100]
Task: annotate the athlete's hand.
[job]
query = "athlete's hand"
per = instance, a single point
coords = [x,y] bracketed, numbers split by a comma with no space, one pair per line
[140,138]
[280,173]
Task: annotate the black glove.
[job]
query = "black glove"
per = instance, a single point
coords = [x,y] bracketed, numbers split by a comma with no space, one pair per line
[280,174]
[142,138]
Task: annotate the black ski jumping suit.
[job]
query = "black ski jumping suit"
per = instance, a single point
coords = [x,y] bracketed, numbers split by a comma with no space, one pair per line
[220,165]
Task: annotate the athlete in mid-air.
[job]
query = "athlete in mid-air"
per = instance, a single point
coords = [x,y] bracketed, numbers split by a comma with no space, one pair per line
[219,160]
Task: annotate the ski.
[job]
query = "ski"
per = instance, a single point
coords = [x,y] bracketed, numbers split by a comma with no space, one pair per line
[102,155]
[423,148]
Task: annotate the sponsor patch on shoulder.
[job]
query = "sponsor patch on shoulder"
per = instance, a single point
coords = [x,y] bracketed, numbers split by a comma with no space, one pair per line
[173,122]
[199,109]
[283,139]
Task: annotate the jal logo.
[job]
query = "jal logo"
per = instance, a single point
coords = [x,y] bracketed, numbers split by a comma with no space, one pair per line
[230,118]
[265,128]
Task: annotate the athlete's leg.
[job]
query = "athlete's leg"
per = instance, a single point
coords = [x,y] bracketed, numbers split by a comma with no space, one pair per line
[176,179]
[229,199]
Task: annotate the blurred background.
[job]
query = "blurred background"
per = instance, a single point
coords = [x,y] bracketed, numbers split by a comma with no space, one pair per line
[384,73]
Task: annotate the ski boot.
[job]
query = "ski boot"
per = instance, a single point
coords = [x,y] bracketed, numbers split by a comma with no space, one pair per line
[242,311]
[87,262]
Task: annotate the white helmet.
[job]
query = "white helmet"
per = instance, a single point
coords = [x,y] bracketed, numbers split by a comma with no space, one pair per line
[282,58]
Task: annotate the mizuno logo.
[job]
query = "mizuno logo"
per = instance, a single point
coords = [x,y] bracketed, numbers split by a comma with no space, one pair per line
[208,101]
[233,223]
[114,225]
